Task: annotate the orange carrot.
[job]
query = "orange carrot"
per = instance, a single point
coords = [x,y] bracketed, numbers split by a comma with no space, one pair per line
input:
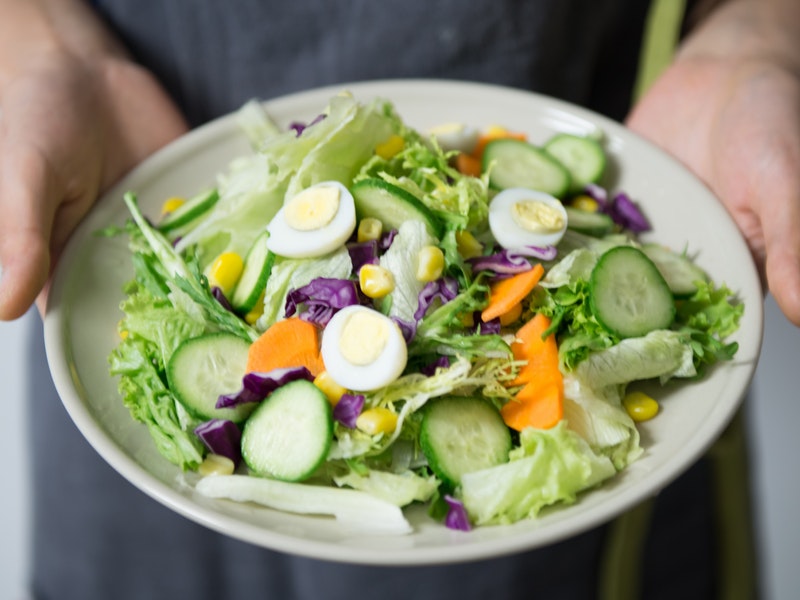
[467,164]
[540,403]
[507,293]
[287,343]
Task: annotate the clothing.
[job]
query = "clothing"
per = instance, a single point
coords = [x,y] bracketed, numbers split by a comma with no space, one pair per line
[96,537]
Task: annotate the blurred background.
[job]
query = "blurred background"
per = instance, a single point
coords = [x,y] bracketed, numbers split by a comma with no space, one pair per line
[772,415]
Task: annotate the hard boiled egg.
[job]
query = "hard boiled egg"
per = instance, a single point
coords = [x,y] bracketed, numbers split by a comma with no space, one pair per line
[362,349]
[455,136]
[521,217]
[315,222]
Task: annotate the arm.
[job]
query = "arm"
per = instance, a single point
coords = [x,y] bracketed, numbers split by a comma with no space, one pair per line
[729,108]
[75,115]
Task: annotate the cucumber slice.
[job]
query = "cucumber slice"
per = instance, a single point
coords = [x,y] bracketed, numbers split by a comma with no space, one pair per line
[596,224]
[392,206]
[627,294]
[583,157]
[193,209]
[460,435]
[203,368]
[680,273]
[253,281]
[289,435]
[520,164]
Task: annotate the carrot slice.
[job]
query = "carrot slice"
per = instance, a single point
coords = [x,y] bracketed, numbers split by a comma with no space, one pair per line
[540,403]
[507,293]
[286,343]
[467,164]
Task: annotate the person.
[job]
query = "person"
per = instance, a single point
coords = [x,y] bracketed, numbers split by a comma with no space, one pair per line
[88,90]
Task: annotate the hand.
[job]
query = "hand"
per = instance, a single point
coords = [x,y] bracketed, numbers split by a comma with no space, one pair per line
[736,123]
[69,128]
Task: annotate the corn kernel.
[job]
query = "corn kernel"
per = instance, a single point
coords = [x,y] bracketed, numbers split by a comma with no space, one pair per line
[390,147]
[584,202]
[468,246]
[255,312]
[467,319]
[430,263]
[225,271]
[172,204]
[216,464]
[375,281]
[512,316]
[332,390]
[640,406]
[369,229]
[377,420]
[496,131]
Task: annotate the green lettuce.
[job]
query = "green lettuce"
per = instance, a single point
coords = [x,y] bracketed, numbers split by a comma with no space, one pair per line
[398,488]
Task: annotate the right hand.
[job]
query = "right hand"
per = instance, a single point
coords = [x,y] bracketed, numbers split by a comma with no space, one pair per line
[69,129]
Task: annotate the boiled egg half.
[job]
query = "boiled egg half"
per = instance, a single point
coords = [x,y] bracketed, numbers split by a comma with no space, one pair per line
[314,222]
[521,217]
[455,136]
[362,349]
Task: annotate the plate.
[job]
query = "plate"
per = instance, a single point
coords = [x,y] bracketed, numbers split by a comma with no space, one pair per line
[82,313]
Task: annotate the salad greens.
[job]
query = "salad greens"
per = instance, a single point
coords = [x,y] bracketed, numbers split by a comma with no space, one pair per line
[451,351]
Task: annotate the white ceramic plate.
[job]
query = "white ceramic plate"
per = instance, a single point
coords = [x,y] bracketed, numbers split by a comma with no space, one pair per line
[80,327]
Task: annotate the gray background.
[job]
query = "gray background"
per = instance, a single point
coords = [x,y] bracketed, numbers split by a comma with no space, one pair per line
[774,417]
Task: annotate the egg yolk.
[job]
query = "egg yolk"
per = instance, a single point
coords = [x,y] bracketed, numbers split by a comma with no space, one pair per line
[536,216]
[363,338]
[313,208]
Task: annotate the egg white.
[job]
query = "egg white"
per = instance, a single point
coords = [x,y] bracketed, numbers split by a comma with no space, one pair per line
[381,371]
[455,136]
[505,229]
[285,240]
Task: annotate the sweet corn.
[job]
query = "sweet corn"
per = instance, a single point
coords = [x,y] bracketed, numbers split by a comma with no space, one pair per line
[255,312]
[390,147]
[369,229]
[640,406]
[467,319]
[216,464]
[584,202]
[512,315]
[468,246]
[332,390]
[375,281]
[225,271]
[172,204]
[377,420]
[430,263]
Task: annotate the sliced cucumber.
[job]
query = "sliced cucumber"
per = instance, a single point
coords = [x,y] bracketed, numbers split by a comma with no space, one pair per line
[628,296]
[289,435]
[583,157]
[680,273]
[392,205]
[596,224]
[520,164]
[203,368]
[192,209]
[463,434]
[253,281]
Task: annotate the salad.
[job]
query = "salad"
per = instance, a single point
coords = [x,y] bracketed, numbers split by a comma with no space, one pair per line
[358,316]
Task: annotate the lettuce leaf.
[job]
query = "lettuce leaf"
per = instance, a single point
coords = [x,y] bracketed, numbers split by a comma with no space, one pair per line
[398,488]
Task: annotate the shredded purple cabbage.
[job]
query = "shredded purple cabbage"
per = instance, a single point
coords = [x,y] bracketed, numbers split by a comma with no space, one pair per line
[299,127]
[512,260]
[363,253]
[457,517]
[387,239]
[622,210]
[443,289]
[442,362]
[408,329]
[257,386]
[348,408]
[492,327]
[219,296]
[321,299]
[221,437]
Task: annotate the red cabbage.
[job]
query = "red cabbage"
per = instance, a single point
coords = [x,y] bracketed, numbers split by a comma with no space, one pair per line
[348,408]
[387,239]
[443,289]
[512,260]
[491,327]
[298,127]
[407,328]
[457,517]
[363,253]
[257,386]
[321,299]
[219,296]
[221,437]
[622,210]
[440,363]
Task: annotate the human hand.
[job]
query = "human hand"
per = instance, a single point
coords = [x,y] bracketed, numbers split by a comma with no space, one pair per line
[69,128]
[734,119]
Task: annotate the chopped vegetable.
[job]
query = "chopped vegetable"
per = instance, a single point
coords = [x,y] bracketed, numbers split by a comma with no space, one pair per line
[507,293]
[288,343]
